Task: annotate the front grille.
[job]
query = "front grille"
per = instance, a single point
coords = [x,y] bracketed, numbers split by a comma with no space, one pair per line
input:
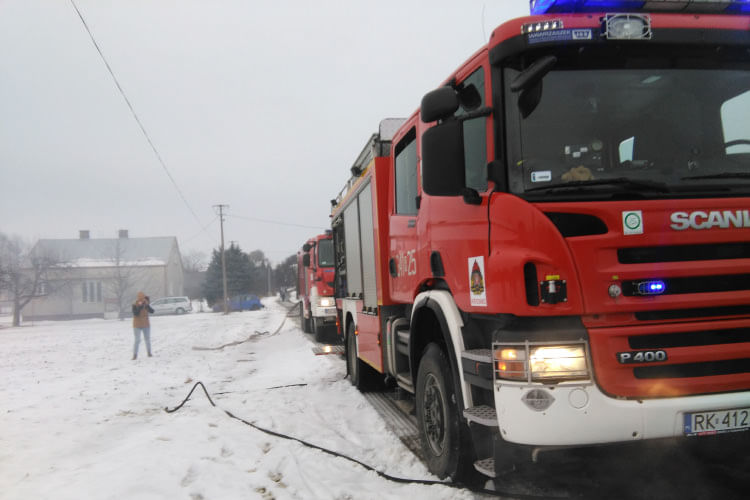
[701,358]
[704,369]
[683,253]
[699,312]
[689,339]
[694,284]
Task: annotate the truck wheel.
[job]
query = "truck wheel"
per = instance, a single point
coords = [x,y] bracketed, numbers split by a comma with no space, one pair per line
[437,414]
[360,374]
[180,310]
[352,361]
[304,323]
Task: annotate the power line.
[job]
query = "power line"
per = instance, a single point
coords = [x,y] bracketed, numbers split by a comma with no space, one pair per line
[278,223]
[202,231]
[135,115]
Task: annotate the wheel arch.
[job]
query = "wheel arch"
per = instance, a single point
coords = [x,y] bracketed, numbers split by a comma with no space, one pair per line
[437,309]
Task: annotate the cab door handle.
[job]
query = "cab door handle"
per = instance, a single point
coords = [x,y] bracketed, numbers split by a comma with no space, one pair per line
[392,267]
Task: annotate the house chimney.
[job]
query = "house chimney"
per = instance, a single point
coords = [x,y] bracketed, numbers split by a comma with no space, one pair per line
[122,233]
[83,234]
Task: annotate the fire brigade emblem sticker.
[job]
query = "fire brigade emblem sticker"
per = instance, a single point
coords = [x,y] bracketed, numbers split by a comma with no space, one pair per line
[632,222]
[478,293]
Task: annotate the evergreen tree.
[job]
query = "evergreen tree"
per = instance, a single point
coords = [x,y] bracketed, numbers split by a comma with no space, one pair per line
[241,274]
[286,272]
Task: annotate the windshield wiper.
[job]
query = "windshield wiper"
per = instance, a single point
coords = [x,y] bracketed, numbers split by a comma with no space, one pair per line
[622,182]
[723,175]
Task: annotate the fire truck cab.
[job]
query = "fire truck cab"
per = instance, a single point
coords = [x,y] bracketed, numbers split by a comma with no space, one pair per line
[315,287]
[553,251]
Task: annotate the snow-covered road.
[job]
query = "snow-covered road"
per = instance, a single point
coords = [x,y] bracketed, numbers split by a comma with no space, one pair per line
[80,419]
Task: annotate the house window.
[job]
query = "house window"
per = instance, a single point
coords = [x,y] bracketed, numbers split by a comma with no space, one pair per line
[41,288]
[91,291]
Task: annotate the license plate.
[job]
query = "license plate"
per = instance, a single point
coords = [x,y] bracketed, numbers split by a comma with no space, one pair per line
[705,423]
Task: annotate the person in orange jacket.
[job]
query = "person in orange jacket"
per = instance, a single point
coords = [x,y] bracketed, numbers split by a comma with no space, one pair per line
[141,309]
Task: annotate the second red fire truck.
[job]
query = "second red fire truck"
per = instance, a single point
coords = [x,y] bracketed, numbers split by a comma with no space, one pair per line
[315,286]
[553,251]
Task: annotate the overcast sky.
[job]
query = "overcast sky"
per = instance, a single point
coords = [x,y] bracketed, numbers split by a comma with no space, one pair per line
[262,106]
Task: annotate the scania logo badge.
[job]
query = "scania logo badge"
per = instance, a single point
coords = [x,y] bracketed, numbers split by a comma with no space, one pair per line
[700,219]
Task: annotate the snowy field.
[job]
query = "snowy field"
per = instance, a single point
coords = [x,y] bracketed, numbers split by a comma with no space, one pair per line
[80,419]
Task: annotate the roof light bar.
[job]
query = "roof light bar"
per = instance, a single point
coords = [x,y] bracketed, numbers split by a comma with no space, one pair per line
[572,6]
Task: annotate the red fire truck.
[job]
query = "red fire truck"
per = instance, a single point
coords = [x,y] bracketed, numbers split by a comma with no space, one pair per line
[315,286]
[554,250]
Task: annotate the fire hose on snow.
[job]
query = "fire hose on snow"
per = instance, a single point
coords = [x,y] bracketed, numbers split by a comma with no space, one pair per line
[325,450]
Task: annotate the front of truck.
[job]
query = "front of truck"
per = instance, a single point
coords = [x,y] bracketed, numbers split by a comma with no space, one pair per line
[322,301]
[625,140]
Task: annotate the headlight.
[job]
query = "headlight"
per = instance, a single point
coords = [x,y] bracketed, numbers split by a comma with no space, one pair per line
[558,362]
[327,302]
[551,363]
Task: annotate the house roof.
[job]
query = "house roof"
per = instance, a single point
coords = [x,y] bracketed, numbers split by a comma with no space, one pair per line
[106,252]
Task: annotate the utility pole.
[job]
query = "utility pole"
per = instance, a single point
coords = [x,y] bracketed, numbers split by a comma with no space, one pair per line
[223,260]
[268,271]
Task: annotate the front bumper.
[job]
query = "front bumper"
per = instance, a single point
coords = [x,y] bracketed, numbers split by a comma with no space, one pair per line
[582,415]
[324,313]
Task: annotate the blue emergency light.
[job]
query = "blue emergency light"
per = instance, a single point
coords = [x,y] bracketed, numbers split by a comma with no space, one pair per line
[651,287]
[653,6]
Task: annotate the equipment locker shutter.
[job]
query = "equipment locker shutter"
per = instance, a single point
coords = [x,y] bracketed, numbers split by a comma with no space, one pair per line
[368,247]
[353,261]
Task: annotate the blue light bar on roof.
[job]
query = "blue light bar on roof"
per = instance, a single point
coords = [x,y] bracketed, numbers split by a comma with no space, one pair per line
[707,6]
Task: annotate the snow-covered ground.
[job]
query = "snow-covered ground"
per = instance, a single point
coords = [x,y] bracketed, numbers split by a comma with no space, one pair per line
[80,419]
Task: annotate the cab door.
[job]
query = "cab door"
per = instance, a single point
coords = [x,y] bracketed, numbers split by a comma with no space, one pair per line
[404,209]
[455,231]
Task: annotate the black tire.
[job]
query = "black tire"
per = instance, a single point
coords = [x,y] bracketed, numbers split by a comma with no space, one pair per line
[352,361]
[180,310]
[361,375]
[444,438]
[304,323]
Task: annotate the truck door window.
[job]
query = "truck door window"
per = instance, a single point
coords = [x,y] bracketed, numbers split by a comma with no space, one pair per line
[472,96]
[325,253]
[406,174]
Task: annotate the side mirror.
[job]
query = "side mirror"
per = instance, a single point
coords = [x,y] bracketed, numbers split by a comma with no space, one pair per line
[306,260]
[443,167]
[306,247]
[438,104]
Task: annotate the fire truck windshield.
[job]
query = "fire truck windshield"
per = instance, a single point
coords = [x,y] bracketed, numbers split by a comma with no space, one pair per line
[325,253]
[642,128]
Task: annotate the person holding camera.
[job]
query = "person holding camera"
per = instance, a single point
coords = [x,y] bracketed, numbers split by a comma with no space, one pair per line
[141,309]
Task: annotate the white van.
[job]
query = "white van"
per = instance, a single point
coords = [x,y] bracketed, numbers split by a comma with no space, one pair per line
[172,305]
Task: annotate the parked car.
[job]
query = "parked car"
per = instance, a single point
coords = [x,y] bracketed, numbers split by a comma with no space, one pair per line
[240,303]
[172,305]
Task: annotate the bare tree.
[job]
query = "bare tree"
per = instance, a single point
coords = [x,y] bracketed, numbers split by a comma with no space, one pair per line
[25,273]
[194,261]
[124,277]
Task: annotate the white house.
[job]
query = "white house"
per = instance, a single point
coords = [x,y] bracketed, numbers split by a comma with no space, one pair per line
[101,277]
